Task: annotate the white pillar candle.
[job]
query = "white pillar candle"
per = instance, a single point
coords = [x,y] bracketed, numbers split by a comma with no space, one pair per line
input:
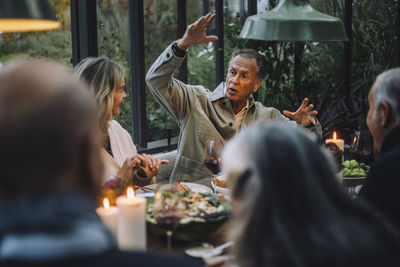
[131,222]
[109,216]
[337,141]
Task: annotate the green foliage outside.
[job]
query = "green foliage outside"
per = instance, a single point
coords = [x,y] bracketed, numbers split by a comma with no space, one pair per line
[319,76]
[320,73]
[52,44]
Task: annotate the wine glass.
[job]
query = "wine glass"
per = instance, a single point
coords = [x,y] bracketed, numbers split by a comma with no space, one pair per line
[361,146]
[168,209]
[212,156]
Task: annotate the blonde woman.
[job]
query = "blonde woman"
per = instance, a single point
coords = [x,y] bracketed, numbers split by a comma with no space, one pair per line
[106,81]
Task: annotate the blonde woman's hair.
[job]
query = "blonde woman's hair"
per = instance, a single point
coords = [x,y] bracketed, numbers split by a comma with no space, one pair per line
[102,75]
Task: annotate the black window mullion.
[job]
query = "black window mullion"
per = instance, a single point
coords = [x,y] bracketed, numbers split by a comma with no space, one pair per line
[219,52]
[83,30]
[137,73]
[183,74]
[348,13]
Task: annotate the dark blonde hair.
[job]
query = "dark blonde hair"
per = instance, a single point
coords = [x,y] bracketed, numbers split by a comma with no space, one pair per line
[102,76]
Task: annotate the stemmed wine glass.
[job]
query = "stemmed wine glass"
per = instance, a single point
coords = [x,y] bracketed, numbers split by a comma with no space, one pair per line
[212,156]
[361,146]
[212,159]
[168,209]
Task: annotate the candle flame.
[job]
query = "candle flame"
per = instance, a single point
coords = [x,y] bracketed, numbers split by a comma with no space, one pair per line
[334,135]
[130,192]
[106,203]
[355,140]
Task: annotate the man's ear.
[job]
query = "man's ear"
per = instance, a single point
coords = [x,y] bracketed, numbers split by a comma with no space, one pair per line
[385,113]
[257,85]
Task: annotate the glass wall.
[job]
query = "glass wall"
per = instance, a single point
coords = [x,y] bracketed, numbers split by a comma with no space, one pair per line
[54,44]
[114,42]
[160,29]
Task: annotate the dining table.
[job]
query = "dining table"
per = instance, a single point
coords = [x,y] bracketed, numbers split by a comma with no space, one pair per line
[158,244]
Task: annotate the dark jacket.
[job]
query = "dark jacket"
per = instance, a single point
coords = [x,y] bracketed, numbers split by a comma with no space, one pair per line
[382,186]
[113,258]
[62,229]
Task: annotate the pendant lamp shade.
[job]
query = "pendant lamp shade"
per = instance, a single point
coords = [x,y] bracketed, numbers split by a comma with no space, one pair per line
[293,20]
[27,15]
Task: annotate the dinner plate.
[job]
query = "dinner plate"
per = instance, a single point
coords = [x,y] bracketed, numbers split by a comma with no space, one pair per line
[353,181]
[218,189]
[199,188]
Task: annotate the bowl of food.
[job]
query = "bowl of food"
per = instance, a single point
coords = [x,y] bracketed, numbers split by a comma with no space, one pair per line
[354,173]
[204,214]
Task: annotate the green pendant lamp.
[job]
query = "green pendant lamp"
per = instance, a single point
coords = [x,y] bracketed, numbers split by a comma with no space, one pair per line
[27,15]
[293,20]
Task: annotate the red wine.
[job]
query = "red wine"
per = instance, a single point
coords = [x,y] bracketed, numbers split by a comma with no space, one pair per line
[169,223]
[213,165]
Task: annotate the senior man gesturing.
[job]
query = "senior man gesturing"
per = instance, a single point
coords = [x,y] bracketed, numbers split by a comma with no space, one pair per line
[203,114]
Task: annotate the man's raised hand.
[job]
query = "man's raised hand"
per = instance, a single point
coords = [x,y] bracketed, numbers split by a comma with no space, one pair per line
[304,115]
[196,33]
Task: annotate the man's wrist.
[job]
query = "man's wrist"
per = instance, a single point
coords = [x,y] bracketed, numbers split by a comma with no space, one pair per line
[179,52]
[182,45]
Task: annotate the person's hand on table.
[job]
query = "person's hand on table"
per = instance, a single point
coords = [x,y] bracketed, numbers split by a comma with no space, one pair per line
[153,163]
[126,171]
[304,115]
[196,33]
[145,160]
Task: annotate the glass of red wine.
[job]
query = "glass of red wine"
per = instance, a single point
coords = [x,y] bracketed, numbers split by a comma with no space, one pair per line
[361,146]
[168,209]
[212,156]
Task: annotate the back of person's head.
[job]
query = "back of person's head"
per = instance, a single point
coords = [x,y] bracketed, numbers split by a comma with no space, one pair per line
[387,88]
[48,139]
[253,54]
[289,208]
[102,76]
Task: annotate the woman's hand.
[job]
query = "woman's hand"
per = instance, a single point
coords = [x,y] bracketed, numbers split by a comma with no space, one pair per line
[153,163]
[127,169]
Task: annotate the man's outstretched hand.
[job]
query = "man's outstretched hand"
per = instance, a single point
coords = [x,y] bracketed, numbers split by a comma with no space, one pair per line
[304,115]
[196,33]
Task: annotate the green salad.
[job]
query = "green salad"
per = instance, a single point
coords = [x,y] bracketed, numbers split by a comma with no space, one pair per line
[352,168]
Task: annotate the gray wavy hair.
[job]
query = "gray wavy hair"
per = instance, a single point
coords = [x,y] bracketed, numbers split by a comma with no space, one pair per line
[387,89]
[289,208]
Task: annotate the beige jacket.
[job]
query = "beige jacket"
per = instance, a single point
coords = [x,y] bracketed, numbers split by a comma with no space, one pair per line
[201,115]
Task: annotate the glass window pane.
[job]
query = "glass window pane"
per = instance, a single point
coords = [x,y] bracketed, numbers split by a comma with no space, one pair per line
[160,29]
[201,58]
[54,44]
[114,42]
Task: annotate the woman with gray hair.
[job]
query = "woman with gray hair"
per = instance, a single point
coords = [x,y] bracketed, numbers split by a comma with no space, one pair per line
[106,81]
[290,210]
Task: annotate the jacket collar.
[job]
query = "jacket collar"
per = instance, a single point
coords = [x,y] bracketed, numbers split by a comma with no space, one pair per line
[391,140]
[219,93]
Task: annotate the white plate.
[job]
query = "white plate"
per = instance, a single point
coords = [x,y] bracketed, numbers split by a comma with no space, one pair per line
[199,188]
[219,190]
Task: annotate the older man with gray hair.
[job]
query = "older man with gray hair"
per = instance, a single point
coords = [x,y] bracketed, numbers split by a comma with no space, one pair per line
[382,186]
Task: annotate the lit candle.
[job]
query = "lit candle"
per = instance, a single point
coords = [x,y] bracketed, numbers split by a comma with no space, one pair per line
[109,216]
[340,146]
[131,221]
